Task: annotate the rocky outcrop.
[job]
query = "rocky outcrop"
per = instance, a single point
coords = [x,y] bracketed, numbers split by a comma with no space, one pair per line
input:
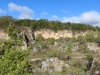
[95,69]
[53,65]
[47,33]
[27,34]
[93,46]
[28,37]
[49,65]
[3,35]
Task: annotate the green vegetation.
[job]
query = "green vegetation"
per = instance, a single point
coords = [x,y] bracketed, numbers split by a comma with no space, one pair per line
[15,60]
[44,23]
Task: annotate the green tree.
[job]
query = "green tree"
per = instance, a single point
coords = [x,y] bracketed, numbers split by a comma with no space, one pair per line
[69,50]
[15,60]
[33,24]
[4,21]
[90,36]
[50,41]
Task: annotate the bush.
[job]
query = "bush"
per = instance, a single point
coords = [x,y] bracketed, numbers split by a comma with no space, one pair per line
[14,61]
[52,54]
[50,41]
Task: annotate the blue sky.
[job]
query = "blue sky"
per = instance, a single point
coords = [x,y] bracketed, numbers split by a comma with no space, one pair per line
[77,11]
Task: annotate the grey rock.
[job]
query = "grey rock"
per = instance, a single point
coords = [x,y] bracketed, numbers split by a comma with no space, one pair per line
[52,65]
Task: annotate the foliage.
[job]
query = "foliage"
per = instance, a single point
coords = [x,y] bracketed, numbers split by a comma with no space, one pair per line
[4,21]
[63,71]
[50,41]
[39,37]
[52,54]
[90,36]
[12,31]
[88,55]
[40,40]
[45,23]
[15,60]
[69,47]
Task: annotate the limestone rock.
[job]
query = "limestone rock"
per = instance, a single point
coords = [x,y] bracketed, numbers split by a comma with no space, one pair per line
[53,64]
[3,35]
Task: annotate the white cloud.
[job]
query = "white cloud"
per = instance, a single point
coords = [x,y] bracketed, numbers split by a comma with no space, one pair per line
[65,11]
[55,17]
[44,13]
[91,17]
[2,11]
[25,12]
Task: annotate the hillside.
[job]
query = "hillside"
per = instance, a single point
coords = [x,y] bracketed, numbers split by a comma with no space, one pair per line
[42,47]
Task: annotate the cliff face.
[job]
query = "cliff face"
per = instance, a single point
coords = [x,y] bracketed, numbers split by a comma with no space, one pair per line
[3,35]
[27,34]
[47,33]
[28,37]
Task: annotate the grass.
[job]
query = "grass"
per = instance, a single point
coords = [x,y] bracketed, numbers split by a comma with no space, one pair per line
[76,66]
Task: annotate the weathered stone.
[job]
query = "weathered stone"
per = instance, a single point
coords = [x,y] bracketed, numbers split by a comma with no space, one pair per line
[28,37]
[52,64]
[34,60]
[3,35]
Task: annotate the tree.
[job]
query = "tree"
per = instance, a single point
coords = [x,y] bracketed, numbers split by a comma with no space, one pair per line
[90,36]
[33,24]
[15,60]
[4,21]
[69,49]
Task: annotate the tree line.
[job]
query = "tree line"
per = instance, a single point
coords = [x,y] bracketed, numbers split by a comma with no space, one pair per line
[45,23]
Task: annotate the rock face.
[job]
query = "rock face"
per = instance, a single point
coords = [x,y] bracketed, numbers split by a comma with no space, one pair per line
[53,65]
[27,34]
[28,37]
[47,33]
[95,69]
[93,46]
[3,35]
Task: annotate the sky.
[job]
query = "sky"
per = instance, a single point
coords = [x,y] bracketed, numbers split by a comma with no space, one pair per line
[75,11]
